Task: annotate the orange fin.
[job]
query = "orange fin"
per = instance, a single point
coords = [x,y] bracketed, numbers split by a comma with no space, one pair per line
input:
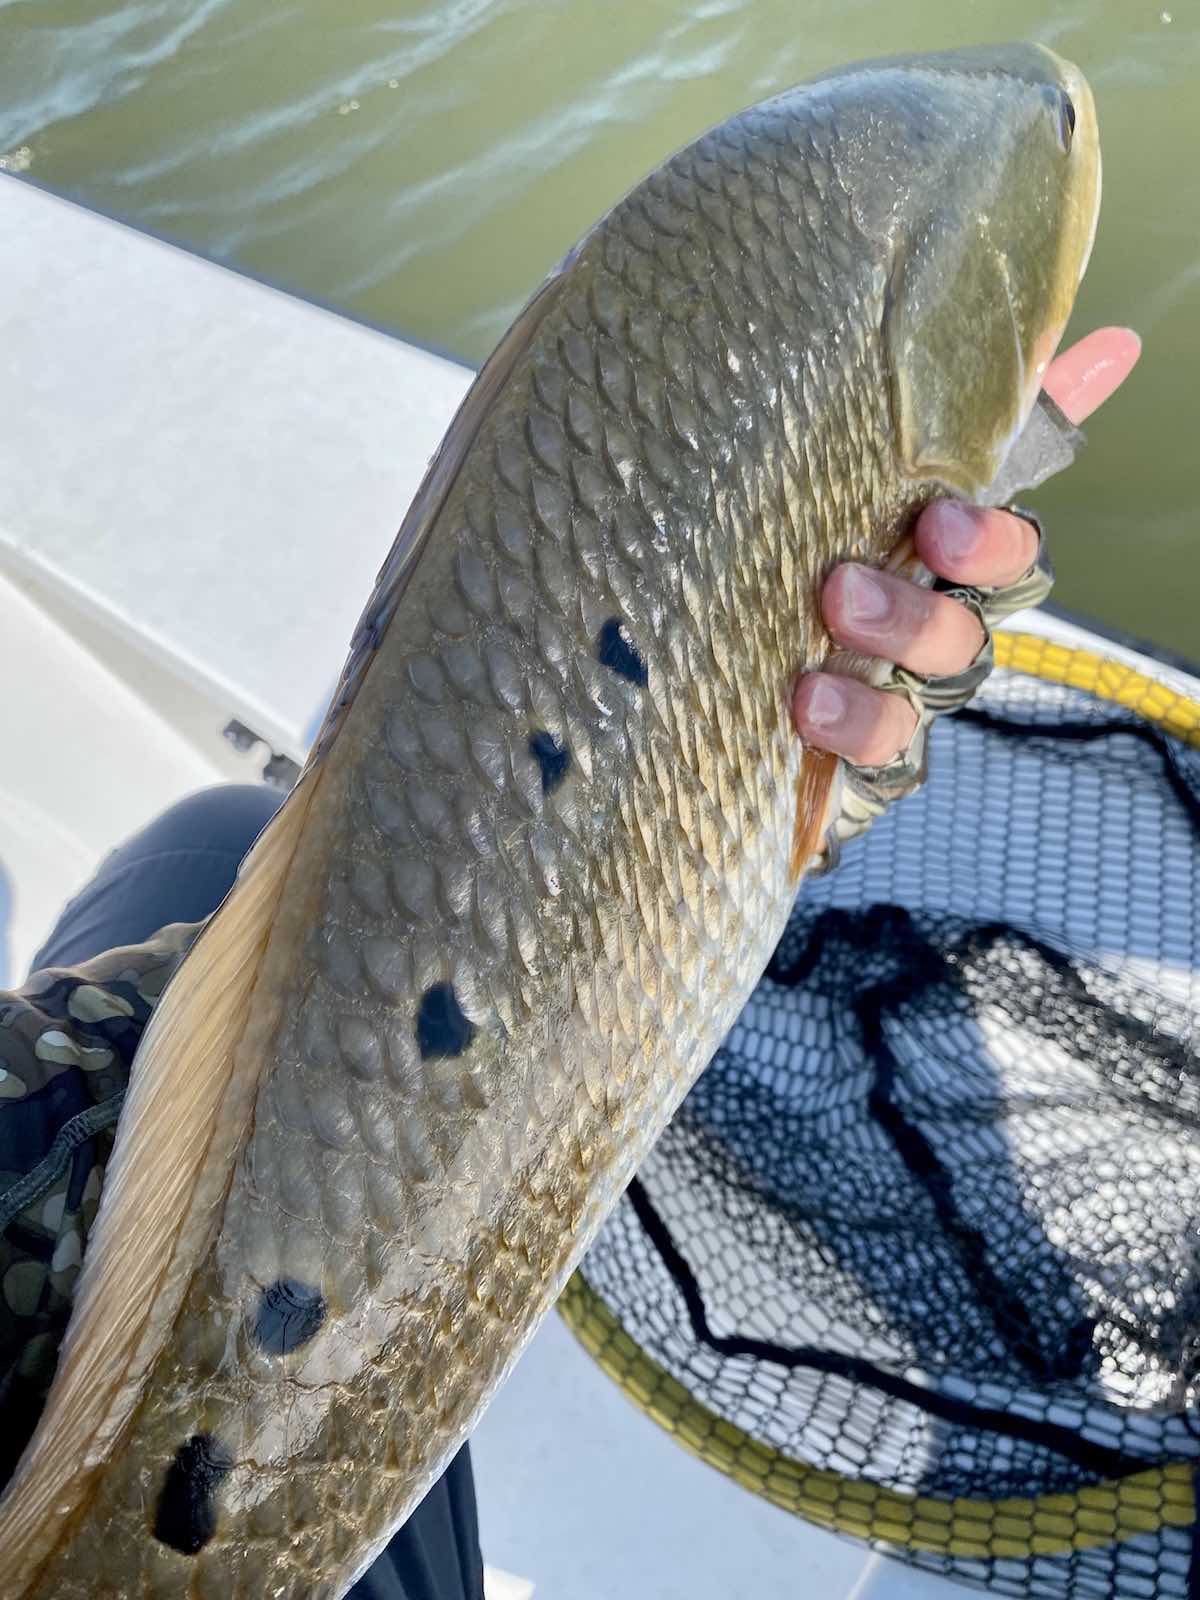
[814,789]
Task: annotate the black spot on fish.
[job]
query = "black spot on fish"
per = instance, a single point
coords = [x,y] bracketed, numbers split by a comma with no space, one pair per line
[289,1313]
[552,757]
[617,651]
[186,1518]
[442,1029]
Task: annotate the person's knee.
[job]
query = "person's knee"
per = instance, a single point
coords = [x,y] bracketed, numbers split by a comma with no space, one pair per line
[226,818]
[178,868]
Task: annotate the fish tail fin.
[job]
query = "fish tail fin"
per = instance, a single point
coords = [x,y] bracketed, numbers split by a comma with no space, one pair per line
[188,1106]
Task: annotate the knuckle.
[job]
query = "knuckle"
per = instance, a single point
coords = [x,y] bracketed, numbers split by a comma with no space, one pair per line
[1015,547]
[891,727]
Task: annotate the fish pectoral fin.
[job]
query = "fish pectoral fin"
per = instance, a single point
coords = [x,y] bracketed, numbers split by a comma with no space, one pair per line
[188,1107]
[815,789]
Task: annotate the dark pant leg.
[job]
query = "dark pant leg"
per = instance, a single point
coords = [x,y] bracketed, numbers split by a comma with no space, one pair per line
[436,1553]
[178,869]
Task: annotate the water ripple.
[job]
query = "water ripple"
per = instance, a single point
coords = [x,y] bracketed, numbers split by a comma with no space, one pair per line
[477,138]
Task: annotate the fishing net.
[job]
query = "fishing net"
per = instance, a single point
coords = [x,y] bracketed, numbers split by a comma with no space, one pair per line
[919,1257]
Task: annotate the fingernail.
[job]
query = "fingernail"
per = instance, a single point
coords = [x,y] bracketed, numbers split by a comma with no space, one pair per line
[867,601]
[956,529]
[826,703]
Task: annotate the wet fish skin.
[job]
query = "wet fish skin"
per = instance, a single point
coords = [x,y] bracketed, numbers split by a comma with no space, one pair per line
[543,854]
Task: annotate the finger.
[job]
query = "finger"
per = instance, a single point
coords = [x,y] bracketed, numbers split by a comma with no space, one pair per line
[975,545]
[866,726]
[1084,376]
[889,617]
[967,544]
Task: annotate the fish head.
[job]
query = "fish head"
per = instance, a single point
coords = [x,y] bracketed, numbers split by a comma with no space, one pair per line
[989,201]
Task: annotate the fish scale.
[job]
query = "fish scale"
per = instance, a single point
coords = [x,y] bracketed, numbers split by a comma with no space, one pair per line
[540,856]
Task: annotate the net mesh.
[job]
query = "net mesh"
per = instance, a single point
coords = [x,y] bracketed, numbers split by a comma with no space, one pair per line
[918,1257]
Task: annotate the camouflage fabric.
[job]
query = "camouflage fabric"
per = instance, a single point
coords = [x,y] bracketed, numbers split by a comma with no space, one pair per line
[867,792]
[67,1040]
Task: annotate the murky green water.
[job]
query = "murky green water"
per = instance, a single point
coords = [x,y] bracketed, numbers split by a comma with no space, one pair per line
[422,166]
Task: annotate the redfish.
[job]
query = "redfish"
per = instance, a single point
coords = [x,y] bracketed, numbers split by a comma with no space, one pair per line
[551,830]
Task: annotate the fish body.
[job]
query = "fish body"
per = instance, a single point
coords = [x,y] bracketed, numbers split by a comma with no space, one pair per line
[546,842]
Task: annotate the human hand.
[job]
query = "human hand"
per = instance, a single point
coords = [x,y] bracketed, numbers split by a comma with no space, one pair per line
[932,634]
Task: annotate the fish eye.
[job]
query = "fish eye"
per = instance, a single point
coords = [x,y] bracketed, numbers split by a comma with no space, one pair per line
[1060,106]
[1066,120]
